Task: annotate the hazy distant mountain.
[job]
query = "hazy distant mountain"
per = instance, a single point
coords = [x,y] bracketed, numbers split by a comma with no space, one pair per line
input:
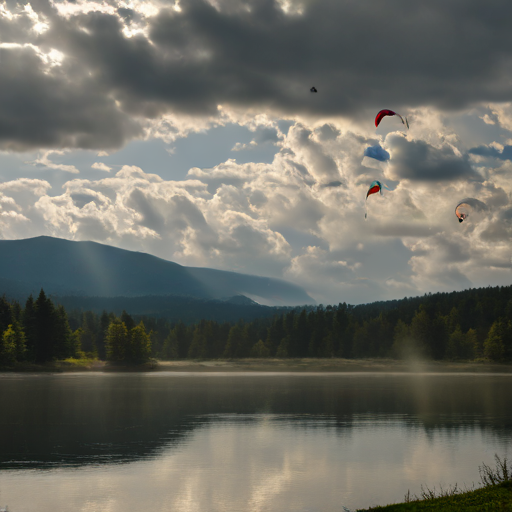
[64,267]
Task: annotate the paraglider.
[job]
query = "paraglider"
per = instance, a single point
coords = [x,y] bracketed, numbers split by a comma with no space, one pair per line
[376,186]
[466,206]
[386,112]
[313,89]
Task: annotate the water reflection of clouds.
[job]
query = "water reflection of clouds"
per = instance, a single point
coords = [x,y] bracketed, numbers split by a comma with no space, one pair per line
[280,443]
[235,463]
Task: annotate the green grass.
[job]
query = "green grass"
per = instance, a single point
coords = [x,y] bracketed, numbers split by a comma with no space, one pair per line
[74,362]
[492,498]
[65,365]
[495,495]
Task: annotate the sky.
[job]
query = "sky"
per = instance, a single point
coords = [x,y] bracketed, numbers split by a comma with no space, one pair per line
[187,129]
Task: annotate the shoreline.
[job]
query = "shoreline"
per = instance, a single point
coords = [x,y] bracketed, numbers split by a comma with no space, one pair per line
[305,365]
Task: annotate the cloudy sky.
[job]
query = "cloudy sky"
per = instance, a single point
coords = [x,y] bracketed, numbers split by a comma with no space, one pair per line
[187,130]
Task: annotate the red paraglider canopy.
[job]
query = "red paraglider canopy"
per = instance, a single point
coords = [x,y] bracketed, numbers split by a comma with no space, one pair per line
[382,114]
[373,189]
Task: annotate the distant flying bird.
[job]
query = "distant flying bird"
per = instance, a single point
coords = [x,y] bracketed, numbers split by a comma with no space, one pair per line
[313,89]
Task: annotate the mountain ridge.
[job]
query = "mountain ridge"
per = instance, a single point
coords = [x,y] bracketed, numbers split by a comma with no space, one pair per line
[85,268]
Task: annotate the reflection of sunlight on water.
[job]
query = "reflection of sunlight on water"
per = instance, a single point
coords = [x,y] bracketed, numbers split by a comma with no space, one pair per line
[268,487]
[237,462]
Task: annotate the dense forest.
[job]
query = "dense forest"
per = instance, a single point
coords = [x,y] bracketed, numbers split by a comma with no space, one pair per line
[466,325]
[174,308]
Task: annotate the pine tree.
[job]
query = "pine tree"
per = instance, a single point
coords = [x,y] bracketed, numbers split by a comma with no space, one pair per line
[170,347]
[45,326]
[76,340]
[317,321]
[156,347]
[455,344]
[282,349]
[302,329]
[8,347]
[244,347]
[5,314]
[494,348]
[183,337]
[19,340]
[197,349]
[472,343]
[127,320]
[329,349]
[403,346]
[232,345]
[105,320]
[260,350]
[63,337]
[343,331]
[507,340]
[16,311]
[275,334]
[438,337]
[117,341]
[420,333]
[28,322]
[89,334]
[140,345]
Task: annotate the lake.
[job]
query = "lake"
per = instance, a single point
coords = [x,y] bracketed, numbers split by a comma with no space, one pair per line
[252,442]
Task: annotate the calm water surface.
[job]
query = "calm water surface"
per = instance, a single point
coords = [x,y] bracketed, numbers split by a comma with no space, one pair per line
[243,442]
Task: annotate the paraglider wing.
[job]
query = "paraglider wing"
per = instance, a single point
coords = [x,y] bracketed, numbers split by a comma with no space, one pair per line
[381,114]
[466,206]
[386,112]
[374,188]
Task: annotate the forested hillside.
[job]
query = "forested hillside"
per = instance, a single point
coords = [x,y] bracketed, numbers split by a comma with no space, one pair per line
[461,325]
[188,310]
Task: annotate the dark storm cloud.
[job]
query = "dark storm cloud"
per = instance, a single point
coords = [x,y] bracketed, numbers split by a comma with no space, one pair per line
[362,56]
[490,151]
[418,160]
[61,108]
[16,30]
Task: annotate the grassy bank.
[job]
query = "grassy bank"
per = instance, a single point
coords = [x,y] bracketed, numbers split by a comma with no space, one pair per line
[331,365]
[495,495]
[76,365]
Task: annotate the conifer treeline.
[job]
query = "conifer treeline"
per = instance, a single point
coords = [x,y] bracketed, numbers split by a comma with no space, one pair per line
[461,325]
[42,332]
